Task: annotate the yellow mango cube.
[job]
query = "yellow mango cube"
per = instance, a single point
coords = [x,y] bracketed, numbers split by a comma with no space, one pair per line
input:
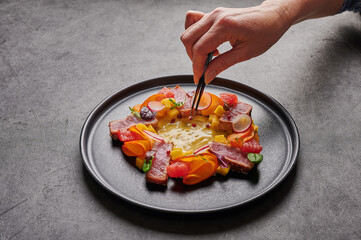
[139,161]
[200,118]
[255,127]
[173,113]
[167,104]
[223,171]
[220,139]
[211,117]
[215,123]
[187,153]
[176,153]
[161,113]
[141,127]
[219,111]
[150,128]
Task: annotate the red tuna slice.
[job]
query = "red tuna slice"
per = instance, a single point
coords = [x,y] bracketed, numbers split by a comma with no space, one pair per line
[158,172]
[126,123]
[181,96]
[167,92]
[225,122]
[234,156]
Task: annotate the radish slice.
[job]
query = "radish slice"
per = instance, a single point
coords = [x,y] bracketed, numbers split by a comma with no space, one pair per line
[153,136]
[201,149]
[155,106]
[205,101]
[241,123]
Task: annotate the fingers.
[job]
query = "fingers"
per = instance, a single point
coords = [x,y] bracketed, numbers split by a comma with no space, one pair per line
[224,61]
[209,42]
[192,17]
[198,75]
[195,31]
[205,33]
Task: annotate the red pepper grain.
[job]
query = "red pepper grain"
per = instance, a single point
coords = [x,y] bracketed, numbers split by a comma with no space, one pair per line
[194,125]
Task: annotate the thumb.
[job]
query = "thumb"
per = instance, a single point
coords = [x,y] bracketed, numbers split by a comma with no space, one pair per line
[224,61]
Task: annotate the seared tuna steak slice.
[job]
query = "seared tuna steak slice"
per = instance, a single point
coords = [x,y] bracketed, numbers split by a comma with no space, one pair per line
[235,157]
[181,96]
[158,172]
[225,122]
[126,123]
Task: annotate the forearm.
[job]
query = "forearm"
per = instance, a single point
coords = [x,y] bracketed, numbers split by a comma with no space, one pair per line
[294,11]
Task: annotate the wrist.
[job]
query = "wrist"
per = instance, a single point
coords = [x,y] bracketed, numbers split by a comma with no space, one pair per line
[294,11]
[287,15]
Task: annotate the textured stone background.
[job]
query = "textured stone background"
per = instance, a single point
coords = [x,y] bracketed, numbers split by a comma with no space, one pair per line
[59,59]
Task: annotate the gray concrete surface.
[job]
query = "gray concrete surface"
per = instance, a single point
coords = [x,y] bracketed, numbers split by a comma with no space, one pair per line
[59,59]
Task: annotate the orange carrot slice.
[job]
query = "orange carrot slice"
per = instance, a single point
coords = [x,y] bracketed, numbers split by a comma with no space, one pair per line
[256,137]
[142,134]
[200,174]
[137,132]
[196,163]
[201,167]
[136,148]
[240,138]
[192,179]
[137,107]
[215,102]
[127,151]
[245,136]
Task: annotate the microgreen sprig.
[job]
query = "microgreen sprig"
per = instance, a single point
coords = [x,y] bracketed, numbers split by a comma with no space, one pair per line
[135,113]
[176,104]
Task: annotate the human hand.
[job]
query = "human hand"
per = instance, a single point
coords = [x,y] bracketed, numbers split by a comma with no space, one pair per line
[250,32]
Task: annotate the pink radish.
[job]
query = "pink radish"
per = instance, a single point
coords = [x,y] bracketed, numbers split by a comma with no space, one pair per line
[205,102]
[201,149]
[155,106]
[241,123]
[153,136]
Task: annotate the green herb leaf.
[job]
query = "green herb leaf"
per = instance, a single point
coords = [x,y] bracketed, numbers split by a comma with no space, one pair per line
[176,104]
[135,113]
[203,158]
[147,165]
[255,157]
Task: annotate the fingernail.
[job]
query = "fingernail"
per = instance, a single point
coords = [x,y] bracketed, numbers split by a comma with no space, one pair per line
[210,76]
[195,80]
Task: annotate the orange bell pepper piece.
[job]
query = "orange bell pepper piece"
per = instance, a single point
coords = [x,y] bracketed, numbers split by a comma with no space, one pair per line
[215,102]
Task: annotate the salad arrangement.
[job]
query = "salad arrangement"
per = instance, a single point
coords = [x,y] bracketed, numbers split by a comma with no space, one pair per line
[222,137]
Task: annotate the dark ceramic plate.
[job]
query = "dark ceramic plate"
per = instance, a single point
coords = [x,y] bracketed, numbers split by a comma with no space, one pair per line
[106,163]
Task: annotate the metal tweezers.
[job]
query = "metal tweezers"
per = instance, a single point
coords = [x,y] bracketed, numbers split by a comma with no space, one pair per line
[200,88]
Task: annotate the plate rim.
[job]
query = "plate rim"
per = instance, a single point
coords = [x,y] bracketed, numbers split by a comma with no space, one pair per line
[179,79]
